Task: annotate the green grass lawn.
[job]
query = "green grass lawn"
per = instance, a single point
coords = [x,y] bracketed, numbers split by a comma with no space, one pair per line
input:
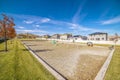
[113,72]
[19,64]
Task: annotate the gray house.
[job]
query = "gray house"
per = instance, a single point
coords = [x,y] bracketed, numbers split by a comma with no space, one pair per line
[79,37]
[98,36]
[46,36]
[65,36]
[55,36]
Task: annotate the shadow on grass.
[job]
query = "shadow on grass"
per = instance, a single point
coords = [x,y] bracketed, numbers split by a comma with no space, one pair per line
[24,50]
[1,41]
[31,45]
[4,51]
[44,50]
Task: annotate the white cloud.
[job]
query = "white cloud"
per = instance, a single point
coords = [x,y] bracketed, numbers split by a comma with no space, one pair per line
[111,21]
[77,16]
[82,30]
[28,21]
[44,20]
[78,27]
[105,12]
[36,21]
[37,25]
[20,27]
[31,31]
[74,26]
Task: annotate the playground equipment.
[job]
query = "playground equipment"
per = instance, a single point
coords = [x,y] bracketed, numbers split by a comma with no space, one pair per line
[53,42]
[90,44]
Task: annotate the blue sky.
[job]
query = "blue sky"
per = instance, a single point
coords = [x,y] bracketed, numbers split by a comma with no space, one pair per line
[63,16]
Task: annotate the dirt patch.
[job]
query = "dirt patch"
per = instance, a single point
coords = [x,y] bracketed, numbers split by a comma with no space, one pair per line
[87,67]
[73,61]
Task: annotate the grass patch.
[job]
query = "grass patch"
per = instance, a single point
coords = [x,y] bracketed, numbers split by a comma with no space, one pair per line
[19,64]
[113,72]
[107,45]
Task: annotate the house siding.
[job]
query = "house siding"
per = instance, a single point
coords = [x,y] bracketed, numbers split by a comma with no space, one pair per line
[98,36]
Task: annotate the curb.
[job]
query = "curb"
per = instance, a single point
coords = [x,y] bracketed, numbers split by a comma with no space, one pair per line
[55,73]
[102,71]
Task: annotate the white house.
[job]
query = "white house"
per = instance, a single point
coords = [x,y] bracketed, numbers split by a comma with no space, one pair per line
[98,36]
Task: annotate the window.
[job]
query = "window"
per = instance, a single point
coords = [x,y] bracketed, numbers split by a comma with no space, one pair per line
[97,38]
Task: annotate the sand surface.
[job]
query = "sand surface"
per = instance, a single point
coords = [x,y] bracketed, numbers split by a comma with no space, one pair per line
[75,62]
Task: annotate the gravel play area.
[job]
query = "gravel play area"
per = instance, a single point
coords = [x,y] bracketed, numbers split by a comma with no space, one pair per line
[75,62]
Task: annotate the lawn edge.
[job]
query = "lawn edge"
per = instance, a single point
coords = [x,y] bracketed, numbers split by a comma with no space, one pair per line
[101,74]
[56,74]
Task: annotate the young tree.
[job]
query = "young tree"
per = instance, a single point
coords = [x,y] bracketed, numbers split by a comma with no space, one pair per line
[6,29]
[1,31]
[11,32]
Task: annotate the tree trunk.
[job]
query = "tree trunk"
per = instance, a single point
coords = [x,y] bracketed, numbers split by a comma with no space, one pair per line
[5,42]
[5,36]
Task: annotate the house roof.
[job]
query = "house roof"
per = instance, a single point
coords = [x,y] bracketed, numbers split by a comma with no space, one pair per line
[113,36]
[55,34]
[67,34]
[77,36]
[97,33]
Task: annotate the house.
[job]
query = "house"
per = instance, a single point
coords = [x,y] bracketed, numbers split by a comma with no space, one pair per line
[84,37]
[55,36]
[79,37]
[46,36]
[98,36]
[65,36]
[112,38]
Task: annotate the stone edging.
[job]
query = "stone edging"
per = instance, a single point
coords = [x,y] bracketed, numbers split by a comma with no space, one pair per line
[102,71]
[57,75]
